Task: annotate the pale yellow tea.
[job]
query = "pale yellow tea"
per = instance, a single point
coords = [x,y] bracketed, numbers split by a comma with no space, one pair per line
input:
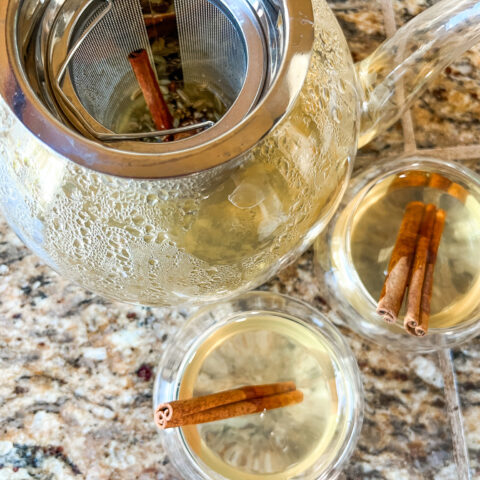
[456,279]
[278,443]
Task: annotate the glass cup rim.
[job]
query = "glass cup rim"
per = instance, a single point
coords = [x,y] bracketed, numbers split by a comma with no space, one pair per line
[255,303]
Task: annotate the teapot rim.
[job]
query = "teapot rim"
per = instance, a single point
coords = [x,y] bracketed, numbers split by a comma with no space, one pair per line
[277,102]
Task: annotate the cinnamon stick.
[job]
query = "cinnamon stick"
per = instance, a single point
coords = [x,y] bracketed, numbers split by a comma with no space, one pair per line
[414,299]
[400,264]
[422,329]
[160,24]
[140,62]
[439,182]
[230,403]
[454,189]
[155,19]
[409,179]
[247,407]
[457,191]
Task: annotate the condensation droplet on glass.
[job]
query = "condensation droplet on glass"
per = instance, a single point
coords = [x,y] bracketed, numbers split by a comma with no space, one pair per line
[336,115]
[138,220]
[246,195]
[152,199]
[325,94]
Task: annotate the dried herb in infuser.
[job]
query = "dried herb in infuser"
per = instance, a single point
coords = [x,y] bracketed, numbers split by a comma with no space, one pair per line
[166,94]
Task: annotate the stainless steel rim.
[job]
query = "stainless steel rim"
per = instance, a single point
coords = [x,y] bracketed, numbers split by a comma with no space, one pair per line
[178,158]
[240,12]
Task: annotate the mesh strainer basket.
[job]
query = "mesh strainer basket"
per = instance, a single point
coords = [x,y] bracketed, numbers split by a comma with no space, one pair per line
[221,51]
[252,56]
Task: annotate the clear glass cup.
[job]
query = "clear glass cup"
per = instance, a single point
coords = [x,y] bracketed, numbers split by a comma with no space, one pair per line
[358,243]
[190,448]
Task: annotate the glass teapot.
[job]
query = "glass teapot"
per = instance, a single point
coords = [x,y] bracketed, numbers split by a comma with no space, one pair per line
[219,212]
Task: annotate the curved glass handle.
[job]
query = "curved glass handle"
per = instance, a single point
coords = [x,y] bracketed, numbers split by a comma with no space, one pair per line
[395,74]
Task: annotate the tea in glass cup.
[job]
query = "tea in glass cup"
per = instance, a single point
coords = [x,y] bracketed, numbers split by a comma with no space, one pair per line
[353,256]
[259,339]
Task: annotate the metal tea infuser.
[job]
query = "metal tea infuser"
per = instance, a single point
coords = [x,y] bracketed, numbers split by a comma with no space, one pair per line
[95,78]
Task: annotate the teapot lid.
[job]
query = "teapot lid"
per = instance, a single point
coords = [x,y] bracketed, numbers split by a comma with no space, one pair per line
[234,135]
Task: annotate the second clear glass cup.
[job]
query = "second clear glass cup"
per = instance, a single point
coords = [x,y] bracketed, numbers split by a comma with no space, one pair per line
[263,338]
[352,256]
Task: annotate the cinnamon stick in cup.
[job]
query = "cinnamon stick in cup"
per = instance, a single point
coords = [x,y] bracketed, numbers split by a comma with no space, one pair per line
[457,191]
[140,62]
[419,275]
[439,182]
[228,404]
[409,179]
[422,329]
[247,407]
[417,278]
[393,291]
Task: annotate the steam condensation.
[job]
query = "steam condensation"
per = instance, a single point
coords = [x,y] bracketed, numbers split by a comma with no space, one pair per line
[196,238]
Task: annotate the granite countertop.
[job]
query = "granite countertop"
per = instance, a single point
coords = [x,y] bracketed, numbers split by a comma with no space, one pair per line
[77,371]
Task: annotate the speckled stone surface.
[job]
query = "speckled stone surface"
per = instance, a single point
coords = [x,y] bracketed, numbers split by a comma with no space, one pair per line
[467,367]
[448,114]
[77,371]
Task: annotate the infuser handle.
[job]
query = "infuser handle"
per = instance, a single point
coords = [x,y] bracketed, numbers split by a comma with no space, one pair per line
[393,76]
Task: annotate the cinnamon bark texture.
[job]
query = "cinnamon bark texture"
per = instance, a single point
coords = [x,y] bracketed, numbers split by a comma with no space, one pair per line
[422,329]
[140,62]
[160,24]
[393,291]
[439,182]
[167,20]
[422,242]
[457,191]
[414,299]
[228,404]
[409,179]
